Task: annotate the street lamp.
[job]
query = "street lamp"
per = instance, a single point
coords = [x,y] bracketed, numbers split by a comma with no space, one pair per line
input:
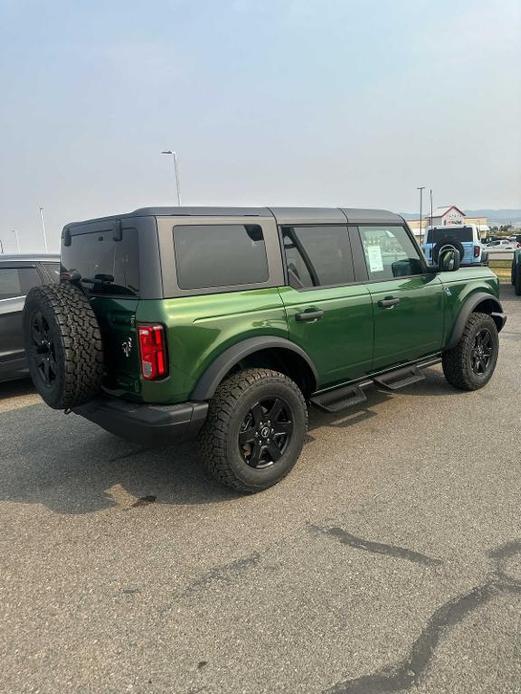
[43,230]
[421,189]
[173,154]
[17,241]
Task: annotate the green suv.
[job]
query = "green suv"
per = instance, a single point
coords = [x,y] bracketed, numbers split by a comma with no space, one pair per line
[226,323]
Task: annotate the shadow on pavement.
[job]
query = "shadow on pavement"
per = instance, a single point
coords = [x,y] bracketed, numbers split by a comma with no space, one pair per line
[73,467]
[13,389]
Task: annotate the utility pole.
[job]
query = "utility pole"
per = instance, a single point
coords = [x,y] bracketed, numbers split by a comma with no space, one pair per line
[43,230]
[421,189]
[17,241]
[173,154]
[430,194]
[1,247]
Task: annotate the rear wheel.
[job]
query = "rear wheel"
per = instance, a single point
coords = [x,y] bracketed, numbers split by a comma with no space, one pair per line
[471,363]
[255,430]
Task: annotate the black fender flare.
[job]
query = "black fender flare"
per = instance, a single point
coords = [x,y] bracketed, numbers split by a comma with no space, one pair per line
[467,308]
[214,374]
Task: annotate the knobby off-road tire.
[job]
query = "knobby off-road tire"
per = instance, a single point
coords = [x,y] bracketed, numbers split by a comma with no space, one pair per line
[63,345]
[447,242]
[464,366]
[239,440]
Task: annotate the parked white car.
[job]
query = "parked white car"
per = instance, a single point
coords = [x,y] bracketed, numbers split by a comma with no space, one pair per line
[502,245]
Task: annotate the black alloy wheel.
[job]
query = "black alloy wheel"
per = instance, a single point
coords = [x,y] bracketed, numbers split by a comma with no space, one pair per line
[43,349]
[254,430]
[481,353]
[265,433]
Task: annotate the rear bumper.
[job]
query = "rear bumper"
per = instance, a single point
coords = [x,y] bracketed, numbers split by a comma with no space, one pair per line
[145,423]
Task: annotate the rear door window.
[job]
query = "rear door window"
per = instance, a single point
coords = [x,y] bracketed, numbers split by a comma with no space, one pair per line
[318,256]
[106,266]
[219,255]
[10,285]
[17,281]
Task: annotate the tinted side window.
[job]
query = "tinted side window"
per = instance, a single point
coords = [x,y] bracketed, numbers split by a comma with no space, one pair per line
[318,256]
[389,252]
[17,281]
[219,255]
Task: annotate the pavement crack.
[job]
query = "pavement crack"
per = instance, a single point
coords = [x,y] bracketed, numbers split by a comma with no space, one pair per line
[225,573]
[407,673]
[377,547]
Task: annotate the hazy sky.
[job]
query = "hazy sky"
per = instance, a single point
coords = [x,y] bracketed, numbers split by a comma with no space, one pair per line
[283,102]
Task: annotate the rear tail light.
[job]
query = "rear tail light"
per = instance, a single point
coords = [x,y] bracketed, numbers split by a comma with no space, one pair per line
[152,352]
[477,250]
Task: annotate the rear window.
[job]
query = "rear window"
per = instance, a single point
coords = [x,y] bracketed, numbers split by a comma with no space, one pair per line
[219,255]
[462,234]
[106,266]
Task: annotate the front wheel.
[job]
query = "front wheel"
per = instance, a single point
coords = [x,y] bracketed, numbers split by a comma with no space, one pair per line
[470,364]
[255,430]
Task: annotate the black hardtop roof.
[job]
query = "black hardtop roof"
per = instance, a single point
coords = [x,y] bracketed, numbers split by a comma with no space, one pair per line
[283,215]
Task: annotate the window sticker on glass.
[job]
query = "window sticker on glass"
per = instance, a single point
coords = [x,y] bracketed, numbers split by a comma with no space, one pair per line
[374,256]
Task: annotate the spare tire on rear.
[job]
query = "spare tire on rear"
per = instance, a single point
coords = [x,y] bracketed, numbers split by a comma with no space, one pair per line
[447,241]
[63,345]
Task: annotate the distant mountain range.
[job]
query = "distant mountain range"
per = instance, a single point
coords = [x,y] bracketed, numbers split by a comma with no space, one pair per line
[495,217]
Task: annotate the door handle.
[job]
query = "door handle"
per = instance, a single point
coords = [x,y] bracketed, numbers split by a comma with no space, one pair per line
[310,314]
[388,302]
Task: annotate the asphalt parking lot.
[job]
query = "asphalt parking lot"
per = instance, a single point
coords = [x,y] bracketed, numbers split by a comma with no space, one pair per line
[389,560]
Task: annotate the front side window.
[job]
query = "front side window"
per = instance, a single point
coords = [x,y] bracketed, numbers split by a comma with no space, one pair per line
[389,252]
[318,256]
[219,255]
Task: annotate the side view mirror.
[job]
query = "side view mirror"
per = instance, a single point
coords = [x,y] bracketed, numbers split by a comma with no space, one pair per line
[449,260]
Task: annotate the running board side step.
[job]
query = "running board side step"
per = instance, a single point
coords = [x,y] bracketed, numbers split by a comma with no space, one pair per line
[340,398]
[400,378]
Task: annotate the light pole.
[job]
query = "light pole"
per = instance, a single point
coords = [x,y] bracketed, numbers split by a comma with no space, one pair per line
[43,230]
[430,194]
[17,241]
[173,154]
[421,189]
